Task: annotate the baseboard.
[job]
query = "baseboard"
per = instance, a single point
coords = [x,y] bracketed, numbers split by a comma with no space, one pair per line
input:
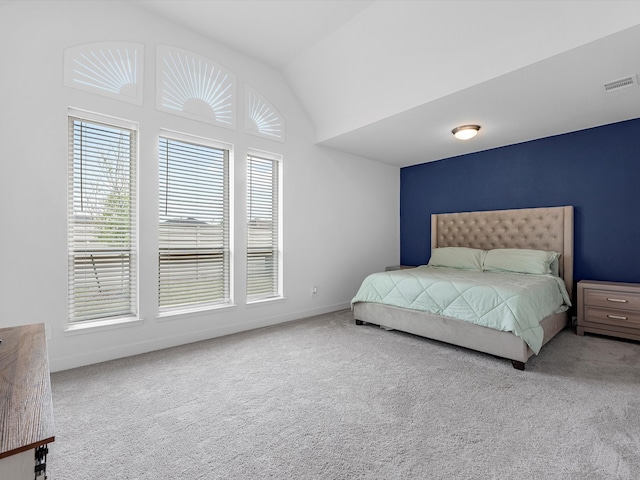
[121,351]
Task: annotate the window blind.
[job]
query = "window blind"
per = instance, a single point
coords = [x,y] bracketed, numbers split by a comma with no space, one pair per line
[262,228]
[101,221]
[194,225]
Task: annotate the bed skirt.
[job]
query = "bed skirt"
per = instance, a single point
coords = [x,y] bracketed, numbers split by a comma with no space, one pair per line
[457,332]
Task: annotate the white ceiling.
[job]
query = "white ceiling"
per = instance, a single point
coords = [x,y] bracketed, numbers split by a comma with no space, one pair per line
[388,80]
[272,31]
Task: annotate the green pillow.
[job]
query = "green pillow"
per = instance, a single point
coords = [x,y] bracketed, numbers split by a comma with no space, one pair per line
[457,257]
[520,260]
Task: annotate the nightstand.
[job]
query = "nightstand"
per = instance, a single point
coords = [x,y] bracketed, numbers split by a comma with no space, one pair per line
[398,267]
[609,308]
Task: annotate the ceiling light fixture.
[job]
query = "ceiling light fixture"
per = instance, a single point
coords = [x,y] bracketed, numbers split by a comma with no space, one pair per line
[465,132]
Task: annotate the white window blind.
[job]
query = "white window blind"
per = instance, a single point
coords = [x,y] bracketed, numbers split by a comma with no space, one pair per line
[101,221]
[263,225]
[194,225]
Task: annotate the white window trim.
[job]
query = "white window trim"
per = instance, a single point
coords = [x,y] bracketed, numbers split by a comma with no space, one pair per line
[97,325]
[278,158]
[103,324]
[186,137]
[194,312]
[99,117]
[266,301]
[230,304]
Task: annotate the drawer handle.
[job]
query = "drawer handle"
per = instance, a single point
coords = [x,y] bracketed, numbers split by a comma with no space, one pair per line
[617,300]
[617,317]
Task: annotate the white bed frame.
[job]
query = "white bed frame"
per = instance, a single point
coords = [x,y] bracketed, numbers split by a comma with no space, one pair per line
[536,228]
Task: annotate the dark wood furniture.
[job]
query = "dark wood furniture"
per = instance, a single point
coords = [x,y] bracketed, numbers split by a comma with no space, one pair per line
[26,408]
[609,308]
[398,267]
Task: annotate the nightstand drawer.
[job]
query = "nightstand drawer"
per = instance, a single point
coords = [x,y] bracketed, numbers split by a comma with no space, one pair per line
[398,267]
[609,316]
[609,308]
[617,300]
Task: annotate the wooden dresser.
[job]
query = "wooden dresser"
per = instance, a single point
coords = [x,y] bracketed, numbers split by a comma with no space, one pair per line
[609,308]
[26,408]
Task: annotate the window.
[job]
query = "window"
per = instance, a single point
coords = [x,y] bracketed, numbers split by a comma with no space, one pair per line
[263,227]
[194,86]
[102,219]
[194,224]
[261,118]
[112,69]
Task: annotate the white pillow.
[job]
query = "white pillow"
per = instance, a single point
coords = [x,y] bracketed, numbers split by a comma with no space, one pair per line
[520,260]
[457,257]
[555,266]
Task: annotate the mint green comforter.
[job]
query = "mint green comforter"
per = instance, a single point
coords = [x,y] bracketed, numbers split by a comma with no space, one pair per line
[511,302]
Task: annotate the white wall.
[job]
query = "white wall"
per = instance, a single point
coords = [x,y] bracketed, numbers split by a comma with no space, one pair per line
[341,213]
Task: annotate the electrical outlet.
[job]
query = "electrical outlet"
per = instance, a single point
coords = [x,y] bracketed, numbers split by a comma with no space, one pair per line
[314,291]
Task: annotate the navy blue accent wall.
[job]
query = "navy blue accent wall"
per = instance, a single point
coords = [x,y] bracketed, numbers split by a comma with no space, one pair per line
[595,170]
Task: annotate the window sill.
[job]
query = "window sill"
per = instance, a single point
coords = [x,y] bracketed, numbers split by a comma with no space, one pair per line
[98,325]
[192,312]
[266,301]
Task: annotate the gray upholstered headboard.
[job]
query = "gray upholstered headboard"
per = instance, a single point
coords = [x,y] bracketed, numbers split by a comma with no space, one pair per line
[536,228]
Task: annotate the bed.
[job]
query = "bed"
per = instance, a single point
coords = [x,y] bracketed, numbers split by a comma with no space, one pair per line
[543,229]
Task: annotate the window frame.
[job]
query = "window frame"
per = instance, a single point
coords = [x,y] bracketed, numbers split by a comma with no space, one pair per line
[133,287]
[185,309]
[278,294]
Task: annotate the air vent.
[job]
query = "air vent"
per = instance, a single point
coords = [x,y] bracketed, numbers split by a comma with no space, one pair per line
[620,84]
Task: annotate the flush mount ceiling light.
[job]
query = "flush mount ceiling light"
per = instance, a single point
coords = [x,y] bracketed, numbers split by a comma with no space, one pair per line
[465,132]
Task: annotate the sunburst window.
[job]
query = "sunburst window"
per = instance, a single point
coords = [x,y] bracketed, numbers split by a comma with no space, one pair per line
[195,87]
[107,68]
[261,118]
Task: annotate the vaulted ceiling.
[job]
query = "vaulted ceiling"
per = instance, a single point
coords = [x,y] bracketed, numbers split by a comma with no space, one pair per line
[388,80]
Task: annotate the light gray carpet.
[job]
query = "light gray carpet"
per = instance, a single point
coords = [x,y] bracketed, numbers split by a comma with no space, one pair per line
[322,398]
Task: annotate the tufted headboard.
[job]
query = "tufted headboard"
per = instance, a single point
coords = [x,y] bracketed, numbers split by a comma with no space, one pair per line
[536,228]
